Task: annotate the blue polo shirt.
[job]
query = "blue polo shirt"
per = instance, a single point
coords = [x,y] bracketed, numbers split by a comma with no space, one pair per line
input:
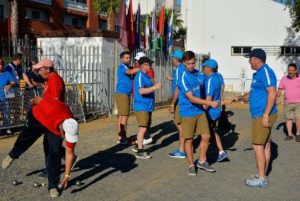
[190,82]
[177,73]
[144,103]
[5,79]
[263,78]
[220,77]
[124,84]
[213,88]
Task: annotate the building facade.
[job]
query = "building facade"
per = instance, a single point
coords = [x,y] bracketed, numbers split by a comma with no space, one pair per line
[228,29]
[38,17]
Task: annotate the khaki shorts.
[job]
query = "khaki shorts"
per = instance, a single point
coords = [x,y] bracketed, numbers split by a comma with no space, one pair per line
[292,110]
[191,124]
[260,134]
[143,118]
[177,117]
[123,104]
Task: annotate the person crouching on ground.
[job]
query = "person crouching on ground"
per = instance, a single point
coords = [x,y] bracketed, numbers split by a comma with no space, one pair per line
[55,119]
[143,104]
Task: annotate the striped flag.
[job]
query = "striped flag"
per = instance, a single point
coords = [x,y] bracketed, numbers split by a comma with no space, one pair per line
[170,39]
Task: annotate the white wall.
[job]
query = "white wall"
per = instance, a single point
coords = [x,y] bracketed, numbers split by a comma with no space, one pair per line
[216,25]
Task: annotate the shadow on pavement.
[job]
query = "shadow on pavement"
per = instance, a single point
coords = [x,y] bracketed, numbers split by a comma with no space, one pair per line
[284,129]
[166,128]
[101,165]
[227,134]
[274,155]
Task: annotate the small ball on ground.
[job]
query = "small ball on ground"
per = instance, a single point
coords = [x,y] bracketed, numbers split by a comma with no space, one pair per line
[15,182]
[78,183]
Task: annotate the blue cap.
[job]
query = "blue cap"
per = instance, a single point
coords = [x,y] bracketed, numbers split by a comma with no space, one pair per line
[177,54]
[211,63]
[258,53]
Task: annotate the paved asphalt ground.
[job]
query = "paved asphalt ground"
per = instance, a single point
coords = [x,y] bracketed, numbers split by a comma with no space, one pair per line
[111,172]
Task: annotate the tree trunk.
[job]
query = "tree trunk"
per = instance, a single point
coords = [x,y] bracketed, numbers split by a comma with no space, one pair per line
[14,24]
[111,21]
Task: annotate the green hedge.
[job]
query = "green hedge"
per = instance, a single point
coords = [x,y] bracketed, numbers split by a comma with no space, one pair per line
[7,59]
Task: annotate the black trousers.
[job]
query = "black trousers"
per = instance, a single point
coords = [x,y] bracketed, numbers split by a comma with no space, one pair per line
[32,131]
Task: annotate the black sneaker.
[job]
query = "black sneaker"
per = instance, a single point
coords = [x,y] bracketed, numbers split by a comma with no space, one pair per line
[205,166]
[192,170]
[142,155]
[43,174]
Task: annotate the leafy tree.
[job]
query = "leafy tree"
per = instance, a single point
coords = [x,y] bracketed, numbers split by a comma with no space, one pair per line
[111,7]
[294,8]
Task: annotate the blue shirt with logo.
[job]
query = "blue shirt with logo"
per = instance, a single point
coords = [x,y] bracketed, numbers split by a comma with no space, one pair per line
[190,82]
[177,73]
[144,102]
[213,88]
[124,84]
[261,80]
[5,79]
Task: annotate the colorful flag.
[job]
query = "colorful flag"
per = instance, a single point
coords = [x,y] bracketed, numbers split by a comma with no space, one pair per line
[154,36]
[161,21]
[146,34]
[137,30]
[130,28]
[170,39]
[123,38]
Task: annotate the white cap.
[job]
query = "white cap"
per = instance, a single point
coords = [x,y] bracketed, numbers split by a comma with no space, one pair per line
[70,127]
[139,55]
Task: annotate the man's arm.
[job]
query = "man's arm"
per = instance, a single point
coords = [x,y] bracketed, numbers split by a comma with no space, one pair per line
[174,99]
[200,101]
[149,90]
[68,166]
[244,98]
[278,95]
[132,71]
[27,80]
[270,103]
[36,100]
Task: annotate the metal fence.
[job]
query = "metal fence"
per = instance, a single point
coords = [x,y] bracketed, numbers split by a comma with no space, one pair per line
[90,72]
[13,109]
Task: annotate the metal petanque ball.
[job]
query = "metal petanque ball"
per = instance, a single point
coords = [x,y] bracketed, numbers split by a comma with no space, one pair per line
[78,183]
[37,184]
[60,187]
[15,182]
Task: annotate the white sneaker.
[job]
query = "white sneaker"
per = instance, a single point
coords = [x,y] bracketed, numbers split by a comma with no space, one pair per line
[7,162]
[148,141]
[53,193]
[8,131]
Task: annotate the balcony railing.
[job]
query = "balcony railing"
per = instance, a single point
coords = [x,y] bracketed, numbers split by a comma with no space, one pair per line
[76,6]
[48,2]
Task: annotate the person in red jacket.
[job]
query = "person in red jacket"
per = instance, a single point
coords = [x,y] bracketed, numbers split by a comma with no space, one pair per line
[54,119]
[54,88]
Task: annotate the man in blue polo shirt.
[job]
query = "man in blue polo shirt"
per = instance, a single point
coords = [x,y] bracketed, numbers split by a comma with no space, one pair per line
[143,104]
[193,116]
[263,110]
[213,91]
[174,107]
[122,95]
